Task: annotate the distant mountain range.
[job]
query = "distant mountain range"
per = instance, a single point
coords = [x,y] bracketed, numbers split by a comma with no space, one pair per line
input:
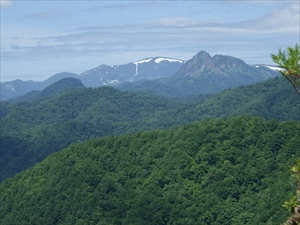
[149,68]
[18,87]
[160,75]
[204,74]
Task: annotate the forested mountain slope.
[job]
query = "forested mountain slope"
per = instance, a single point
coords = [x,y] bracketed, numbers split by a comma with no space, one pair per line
[219,171]
[15,88]
[269,99]
[53,89]
[31,132]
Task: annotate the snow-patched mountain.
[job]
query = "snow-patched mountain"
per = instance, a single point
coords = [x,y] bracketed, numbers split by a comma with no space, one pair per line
[145,69]
[272,67]
[162,75]
[205,74]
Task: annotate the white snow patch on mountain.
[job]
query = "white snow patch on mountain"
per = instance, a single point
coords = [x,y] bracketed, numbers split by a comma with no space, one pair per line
[275,68]
[136,69]
[9,86]
[143,61]
[112,81]
[137,64]
[158,60]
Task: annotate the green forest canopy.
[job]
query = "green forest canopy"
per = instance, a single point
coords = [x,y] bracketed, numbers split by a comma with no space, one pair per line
[218,171]
[30,131]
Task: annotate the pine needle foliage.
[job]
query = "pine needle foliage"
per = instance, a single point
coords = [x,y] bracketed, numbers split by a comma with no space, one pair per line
[293,205]
[289,61]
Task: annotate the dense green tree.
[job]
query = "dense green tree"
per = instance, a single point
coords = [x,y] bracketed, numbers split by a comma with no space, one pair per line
[217,171]
[293,205]
[289,61]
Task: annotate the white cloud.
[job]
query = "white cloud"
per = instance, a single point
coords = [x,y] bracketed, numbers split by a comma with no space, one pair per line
[181,36]
[171,23]
[282,20]
[165,34]
[6,4]
[122,6]
[49,15]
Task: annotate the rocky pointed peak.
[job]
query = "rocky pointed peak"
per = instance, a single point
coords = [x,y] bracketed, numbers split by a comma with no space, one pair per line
[229,62]
[200,62]
[201,58]
[202,54]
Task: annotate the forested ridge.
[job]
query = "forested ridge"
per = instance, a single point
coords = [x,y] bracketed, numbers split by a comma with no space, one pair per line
[60,86]
[218,171]
[32,130]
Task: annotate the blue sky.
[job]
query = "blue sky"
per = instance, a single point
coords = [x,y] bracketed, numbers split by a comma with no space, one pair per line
[41,38]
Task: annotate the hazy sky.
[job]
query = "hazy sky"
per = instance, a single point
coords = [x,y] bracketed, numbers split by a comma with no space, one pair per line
[41,38]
